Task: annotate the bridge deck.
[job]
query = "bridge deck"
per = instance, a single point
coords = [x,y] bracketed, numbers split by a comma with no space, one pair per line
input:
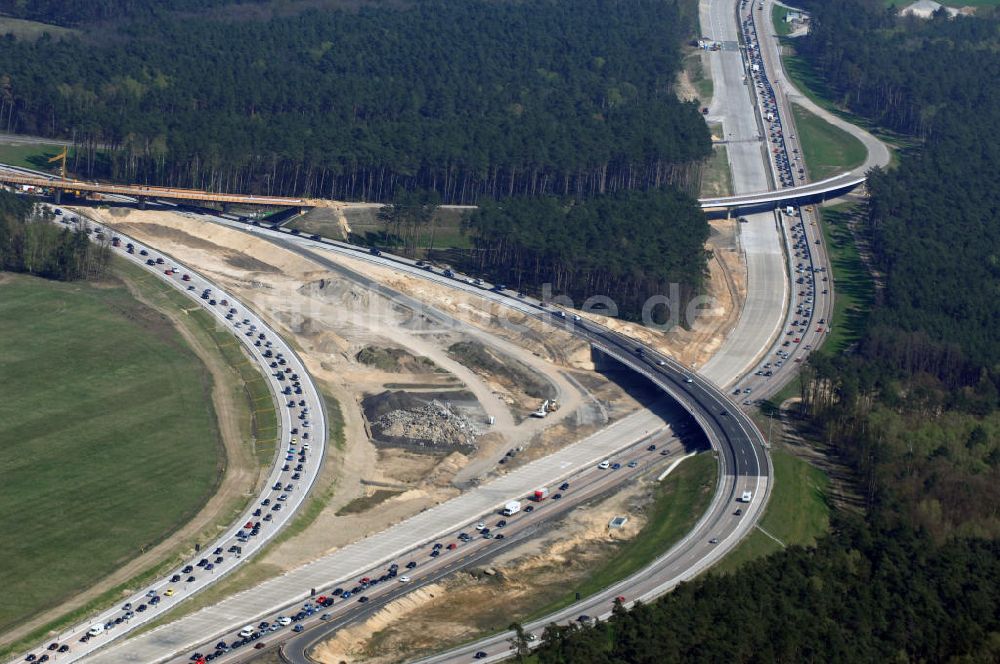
[140,191]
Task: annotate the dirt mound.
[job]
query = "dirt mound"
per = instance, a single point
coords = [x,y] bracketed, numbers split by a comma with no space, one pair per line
[511,373]
[394,360]
[409,419]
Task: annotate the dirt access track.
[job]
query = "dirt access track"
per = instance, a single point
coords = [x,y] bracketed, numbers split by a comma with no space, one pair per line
[331,319]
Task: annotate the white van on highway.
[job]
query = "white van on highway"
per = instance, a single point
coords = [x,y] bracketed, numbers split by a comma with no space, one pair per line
[96,630]
[746,497]
[246,631]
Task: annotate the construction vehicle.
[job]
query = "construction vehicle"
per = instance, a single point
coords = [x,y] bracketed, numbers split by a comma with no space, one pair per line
[543,410]
[61,157]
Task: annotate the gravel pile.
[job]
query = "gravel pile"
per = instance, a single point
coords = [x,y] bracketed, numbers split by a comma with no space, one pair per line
[432,424]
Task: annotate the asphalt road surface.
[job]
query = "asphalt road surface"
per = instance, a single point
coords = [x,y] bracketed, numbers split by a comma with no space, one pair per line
[766,314]
[744,468]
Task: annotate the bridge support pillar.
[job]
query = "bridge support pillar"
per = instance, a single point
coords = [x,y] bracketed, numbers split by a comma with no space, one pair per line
[58,196]
[226,207]
[605,364]
[142,202]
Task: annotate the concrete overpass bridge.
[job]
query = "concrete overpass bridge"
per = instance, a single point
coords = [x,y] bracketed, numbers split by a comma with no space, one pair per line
[806,193]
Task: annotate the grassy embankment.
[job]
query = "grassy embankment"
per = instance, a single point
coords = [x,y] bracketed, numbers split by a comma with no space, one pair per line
[854,290]
[507,370]
[365,503]
[694,67]
[797,512]
[681,499]
[109,437]
[717,178]
[828,150]
[782,28]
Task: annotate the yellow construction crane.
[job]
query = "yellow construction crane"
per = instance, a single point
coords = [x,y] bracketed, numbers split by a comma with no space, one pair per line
[62,158]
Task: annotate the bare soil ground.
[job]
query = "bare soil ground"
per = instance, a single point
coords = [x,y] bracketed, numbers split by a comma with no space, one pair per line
[328,221]
[331,320]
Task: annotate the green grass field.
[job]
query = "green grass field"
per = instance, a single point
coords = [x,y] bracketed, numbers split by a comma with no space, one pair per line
[828,150]
[797,512]
[261,425]
[108,434]
[29,155]
[854,291]
[717,178]
[264,418]
[447,223]
[256,571]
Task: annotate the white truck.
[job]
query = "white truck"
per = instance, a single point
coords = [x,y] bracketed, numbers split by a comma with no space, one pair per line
[746,497]
[512,508]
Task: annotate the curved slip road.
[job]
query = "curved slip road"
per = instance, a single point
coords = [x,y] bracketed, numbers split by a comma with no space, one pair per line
[743,467]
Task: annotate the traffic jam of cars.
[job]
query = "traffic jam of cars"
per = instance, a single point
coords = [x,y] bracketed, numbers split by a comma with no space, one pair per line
[297,460]
[789,168]
[387,581]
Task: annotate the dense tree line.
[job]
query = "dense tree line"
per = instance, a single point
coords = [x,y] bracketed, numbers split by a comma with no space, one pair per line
[31,243]
[629,246]
[470,98]
[913,409]
[902,72]
[862,596]
[77,12]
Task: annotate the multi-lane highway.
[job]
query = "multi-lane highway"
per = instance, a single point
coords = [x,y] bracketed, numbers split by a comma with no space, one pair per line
[297,457]
[760,237]
[775,307]
[733,434]
[744,468]
[762,242]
